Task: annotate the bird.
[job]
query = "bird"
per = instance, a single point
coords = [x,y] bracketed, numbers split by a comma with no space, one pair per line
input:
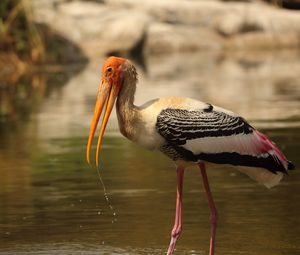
[189,132]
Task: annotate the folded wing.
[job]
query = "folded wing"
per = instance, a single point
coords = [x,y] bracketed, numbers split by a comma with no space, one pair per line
[217,136]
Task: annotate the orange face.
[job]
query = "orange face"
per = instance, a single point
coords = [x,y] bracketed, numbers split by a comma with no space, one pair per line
[111,83]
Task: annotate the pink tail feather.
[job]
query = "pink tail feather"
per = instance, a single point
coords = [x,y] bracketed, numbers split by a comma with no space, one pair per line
[269,147]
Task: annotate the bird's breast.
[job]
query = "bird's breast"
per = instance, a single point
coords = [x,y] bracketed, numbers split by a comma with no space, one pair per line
[146,133]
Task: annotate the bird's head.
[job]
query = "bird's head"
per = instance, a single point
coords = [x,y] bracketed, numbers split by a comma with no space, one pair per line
[114,75]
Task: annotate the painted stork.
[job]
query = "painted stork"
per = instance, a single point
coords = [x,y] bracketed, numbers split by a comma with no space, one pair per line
[187,131]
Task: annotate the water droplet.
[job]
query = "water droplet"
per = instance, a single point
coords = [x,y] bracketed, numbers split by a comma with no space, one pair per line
[106,196]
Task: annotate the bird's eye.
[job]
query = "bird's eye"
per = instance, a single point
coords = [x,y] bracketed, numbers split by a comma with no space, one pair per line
[109,69]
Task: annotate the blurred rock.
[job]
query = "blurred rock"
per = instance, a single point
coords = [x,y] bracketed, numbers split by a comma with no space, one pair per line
[166,38]
[289,4]
[247,18]
[157,26]
[96,28]
[263,41]
[192,13]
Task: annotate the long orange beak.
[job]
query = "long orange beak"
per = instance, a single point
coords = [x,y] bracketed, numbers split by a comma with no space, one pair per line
[107,93]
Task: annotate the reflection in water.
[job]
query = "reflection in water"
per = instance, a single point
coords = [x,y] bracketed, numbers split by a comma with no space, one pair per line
[19,100]
[263,87]
[258,85]
[51,200]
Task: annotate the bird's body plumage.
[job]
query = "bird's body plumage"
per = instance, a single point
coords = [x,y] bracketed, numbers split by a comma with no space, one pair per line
[187,131]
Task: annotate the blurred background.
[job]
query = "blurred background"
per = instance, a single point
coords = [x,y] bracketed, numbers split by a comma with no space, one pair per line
[241,55]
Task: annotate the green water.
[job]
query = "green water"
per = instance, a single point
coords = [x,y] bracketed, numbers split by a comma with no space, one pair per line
[52,202]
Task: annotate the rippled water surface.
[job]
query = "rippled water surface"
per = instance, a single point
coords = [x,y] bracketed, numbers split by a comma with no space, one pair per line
[52,202]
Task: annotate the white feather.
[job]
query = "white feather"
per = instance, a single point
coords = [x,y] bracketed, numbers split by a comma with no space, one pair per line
[262,176]
[245,144]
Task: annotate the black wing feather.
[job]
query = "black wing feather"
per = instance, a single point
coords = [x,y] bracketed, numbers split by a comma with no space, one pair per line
[178,125]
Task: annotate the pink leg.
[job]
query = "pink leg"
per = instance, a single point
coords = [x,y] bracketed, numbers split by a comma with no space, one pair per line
[213,210]
[177,225]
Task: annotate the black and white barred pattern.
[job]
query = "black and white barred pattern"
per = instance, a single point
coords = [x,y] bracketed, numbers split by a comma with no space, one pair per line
[178,125]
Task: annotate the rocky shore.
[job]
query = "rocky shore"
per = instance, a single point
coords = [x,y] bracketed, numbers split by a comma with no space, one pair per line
[158,27]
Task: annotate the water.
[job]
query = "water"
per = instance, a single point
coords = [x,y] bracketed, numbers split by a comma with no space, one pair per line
[51,201]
